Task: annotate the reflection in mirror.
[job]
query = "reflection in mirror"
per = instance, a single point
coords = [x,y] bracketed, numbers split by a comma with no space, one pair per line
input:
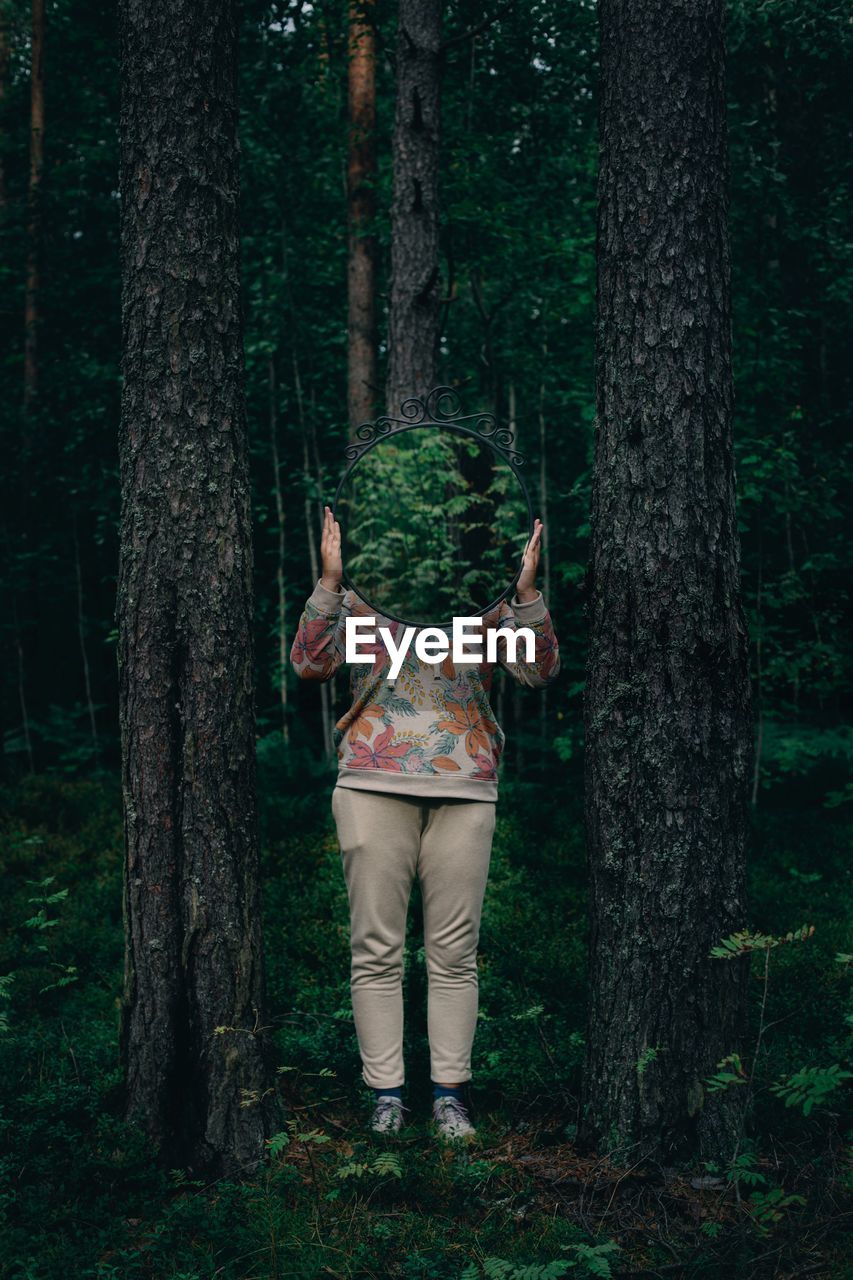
[433,524]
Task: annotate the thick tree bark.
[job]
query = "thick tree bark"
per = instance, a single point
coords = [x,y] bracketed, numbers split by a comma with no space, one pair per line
[415,276]
[192,1013]
[4,77]
[667,700]
[361,207]
[34,201]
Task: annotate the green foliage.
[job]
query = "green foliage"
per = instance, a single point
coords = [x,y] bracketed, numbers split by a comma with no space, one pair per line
[433,524]
[810,1086]
[730,1071]
[647,1057]
[277,1143]
[83,1178]
[767,1207]
[81,1193]
[804,1088]
[586,1260]
[743,1170]
[744,943]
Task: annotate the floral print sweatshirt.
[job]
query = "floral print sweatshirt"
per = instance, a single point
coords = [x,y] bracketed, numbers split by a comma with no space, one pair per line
[431,731]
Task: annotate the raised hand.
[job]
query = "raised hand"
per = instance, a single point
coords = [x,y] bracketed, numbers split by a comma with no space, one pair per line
[330,552]
[526,588]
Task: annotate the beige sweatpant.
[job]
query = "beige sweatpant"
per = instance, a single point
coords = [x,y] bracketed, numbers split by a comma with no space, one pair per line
[386,840]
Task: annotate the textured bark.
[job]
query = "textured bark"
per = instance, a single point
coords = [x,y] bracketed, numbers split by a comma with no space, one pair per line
[415,276]
[33,281]
[667,700]
[281,588]
[361,207]
[4,77]
[193,929]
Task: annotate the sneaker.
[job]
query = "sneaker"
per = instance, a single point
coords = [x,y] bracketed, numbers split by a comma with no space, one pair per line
[451,1119]
[387,1114]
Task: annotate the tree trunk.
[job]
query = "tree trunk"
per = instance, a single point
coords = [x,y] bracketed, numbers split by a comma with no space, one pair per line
[31,291]
[545,539]
[191,1039]
[4,79]
[280,566]
[667,700]
[81,636]
[415,277]
[22,688]
[361,204]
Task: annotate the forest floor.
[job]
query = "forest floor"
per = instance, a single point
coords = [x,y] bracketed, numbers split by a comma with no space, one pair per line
[82,1196]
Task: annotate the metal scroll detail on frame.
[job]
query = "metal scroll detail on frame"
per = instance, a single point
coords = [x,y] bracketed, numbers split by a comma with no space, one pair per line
[441,407]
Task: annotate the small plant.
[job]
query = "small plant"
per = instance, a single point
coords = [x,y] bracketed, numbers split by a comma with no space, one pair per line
[278,1143]
[742,1170]
[767,1207]
[647,1057]
[41,924]
[810,1086]
[743,942]
[587,1260]
[41,921]
[385,1165]
[806,1088]
[730,1071]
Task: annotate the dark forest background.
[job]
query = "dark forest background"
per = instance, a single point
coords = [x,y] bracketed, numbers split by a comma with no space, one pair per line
[518,165]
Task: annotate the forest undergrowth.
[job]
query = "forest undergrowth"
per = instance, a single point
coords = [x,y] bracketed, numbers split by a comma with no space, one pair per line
[81,1194]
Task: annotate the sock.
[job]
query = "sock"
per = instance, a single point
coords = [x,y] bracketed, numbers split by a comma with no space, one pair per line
[396,1092]
[445,1091]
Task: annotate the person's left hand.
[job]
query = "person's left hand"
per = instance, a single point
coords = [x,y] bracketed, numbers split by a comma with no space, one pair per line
[526,588]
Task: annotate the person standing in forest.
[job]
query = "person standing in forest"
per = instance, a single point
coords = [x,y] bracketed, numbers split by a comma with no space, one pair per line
[415,795]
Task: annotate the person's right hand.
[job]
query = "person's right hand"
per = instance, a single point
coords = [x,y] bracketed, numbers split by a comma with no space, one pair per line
[330,552]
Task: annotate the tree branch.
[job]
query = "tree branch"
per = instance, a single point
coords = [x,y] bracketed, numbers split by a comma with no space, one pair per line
[475,31]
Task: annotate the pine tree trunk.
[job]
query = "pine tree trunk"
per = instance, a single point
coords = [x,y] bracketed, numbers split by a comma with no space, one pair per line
[81,636]
[280,566]
[34,200]
[667,701]
[415,277]
[192,1009]
[4,79]
[361,200]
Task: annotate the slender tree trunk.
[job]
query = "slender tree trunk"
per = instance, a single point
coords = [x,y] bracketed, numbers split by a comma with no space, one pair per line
[22,688]
[544,516]
[759,668]
[518,718]
[312,525]
[415,276]
[280,557]
[192,1036]
[329,688]
[361,205]
[34,202]
[667,702]
[81,636]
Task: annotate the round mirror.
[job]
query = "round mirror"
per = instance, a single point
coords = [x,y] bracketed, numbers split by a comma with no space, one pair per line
[434,514]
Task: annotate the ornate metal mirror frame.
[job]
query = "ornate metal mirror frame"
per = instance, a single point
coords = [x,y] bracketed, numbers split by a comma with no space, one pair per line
[440,408]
